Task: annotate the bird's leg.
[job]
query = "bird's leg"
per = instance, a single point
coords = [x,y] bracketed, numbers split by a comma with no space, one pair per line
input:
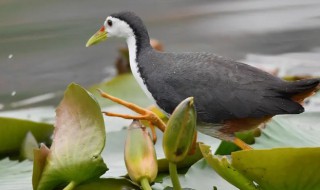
[145,114]
[230,138]
[153,132]
[241,144]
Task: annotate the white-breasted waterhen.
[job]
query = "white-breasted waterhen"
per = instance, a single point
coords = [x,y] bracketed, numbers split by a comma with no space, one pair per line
[229,96]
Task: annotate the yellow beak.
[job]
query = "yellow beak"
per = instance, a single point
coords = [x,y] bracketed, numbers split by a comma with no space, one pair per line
[99,36]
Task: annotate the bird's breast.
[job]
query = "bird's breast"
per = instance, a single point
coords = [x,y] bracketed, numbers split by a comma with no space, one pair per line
[140,80]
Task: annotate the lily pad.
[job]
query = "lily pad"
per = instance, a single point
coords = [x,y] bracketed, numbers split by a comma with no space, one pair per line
[280,168]
[79,138]
[15,175]
[223,167]
[13,132]
[123,86]
[301,130]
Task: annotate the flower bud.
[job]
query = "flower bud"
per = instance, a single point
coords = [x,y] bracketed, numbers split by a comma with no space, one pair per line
[139,154]
[179,134]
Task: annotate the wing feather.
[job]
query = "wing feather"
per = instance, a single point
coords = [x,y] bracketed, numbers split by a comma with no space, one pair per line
[223,89]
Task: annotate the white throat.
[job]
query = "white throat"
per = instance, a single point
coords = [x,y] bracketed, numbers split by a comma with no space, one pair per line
[131,42]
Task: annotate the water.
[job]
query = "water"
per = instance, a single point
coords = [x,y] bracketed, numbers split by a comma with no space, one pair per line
[42,43]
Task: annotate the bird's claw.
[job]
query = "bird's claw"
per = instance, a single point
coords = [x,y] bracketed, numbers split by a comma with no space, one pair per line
[145,114]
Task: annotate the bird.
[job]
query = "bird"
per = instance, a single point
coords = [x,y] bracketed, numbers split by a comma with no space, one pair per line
[229,96]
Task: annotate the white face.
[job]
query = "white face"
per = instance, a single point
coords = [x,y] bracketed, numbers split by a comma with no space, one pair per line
[117,28]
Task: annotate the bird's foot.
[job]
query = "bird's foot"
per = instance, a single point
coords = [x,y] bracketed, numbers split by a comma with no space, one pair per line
[241,144]
[145,114]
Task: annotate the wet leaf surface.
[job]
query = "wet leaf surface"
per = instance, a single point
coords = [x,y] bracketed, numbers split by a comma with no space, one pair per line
[15,175]
[222,166]
[281,168]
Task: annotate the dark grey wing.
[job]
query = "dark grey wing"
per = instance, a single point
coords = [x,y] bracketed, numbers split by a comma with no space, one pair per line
[223,89]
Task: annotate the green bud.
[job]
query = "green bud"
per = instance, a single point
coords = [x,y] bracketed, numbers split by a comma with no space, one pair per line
[179,134]
[139,154]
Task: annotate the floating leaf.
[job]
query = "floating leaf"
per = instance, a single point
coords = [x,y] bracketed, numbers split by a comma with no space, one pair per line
[13,132]
[281,168]
[123,86]
[15,175]
[79,138]
[302,130]
[222,166]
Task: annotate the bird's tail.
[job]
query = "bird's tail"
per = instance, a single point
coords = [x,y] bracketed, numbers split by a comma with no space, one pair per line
[299,90]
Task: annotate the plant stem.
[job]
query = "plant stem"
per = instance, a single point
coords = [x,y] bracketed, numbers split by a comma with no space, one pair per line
[145,184]
[174,176]
[70,186]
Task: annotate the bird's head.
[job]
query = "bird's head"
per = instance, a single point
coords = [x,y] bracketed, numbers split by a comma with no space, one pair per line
[122,24]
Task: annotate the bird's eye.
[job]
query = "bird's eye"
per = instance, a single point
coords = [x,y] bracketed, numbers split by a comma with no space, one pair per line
[109,22]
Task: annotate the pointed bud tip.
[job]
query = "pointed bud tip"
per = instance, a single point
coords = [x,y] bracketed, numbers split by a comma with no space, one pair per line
[191,101]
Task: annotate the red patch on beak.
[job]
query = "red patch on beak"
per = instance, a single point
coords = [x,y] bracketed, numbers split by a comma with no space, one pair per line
[102,29]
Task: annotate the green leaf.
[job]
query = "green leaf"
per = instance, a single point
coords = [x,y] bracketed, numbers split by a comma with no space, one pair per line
[123,86]
[222,166]
[301,130]
[15,175]
[281,168]
[13,132]
[79,138]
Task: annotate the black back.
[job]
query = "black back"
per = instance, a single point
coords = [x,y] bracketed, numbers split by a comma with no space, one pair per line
[223,89]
